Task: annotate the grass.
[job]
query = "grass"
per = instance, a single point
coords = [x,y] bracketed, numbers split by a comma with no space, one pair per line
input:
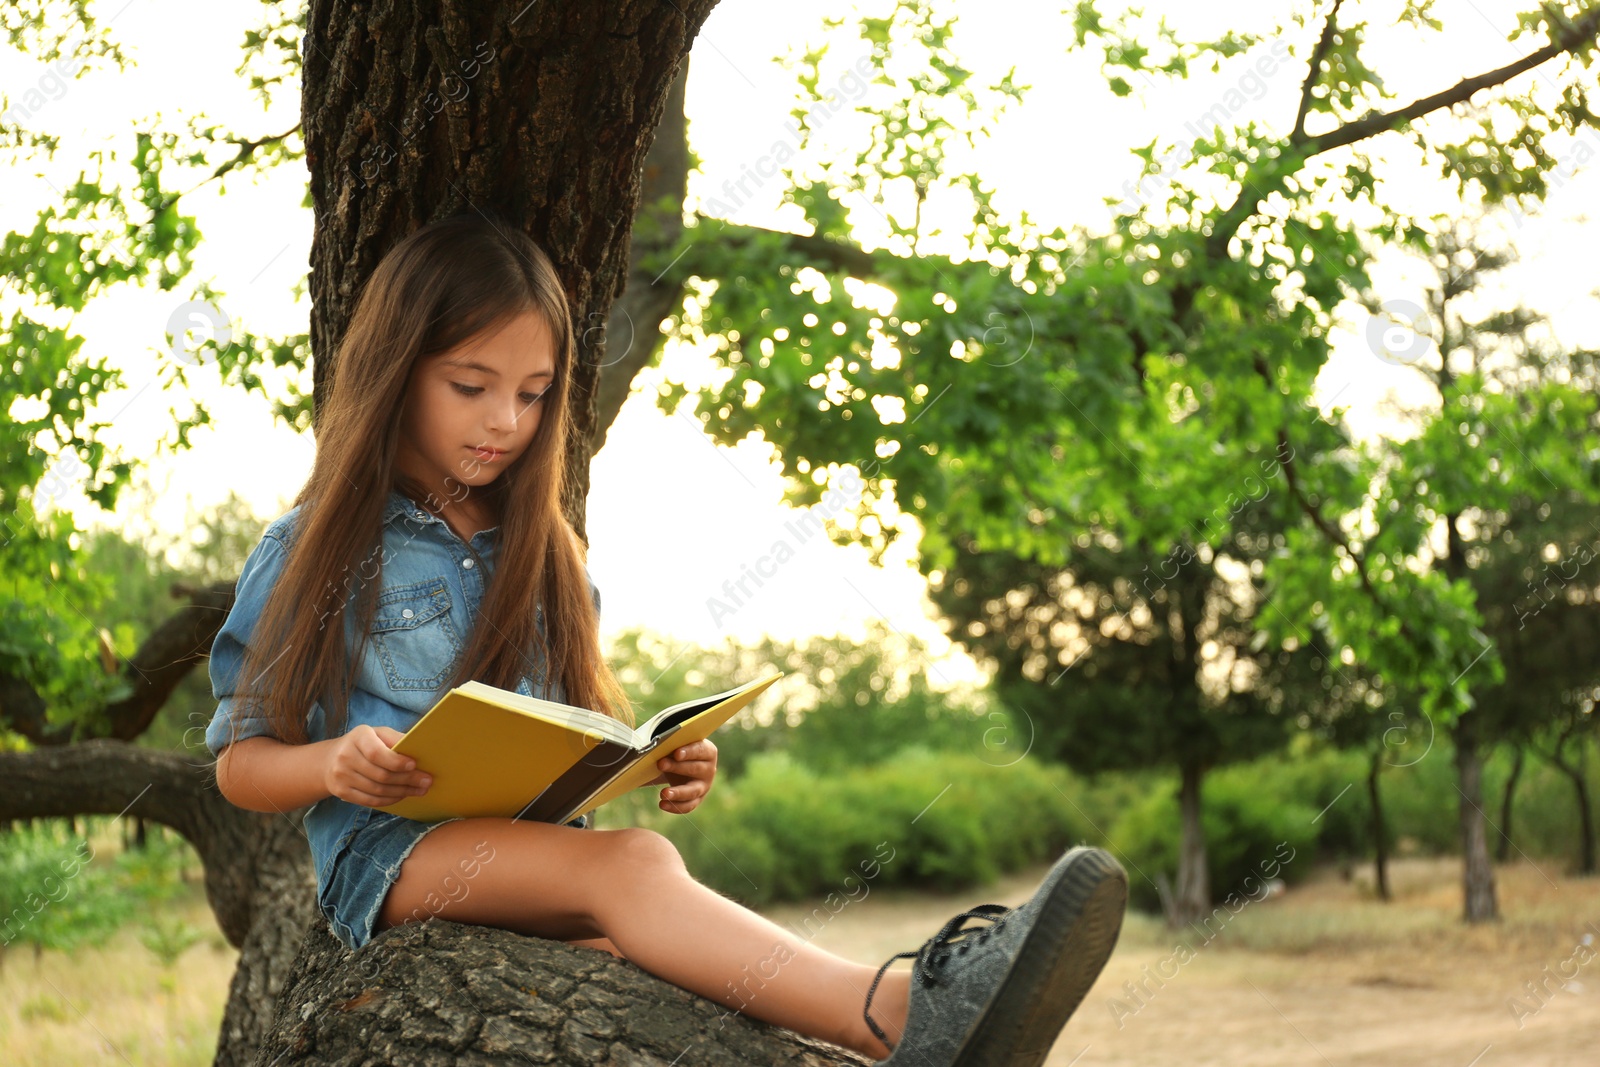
[1331,915]
[117,1002]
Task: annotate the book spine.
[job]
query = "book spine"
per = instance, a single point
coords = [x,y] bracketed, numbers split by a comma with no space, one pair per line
[599,767]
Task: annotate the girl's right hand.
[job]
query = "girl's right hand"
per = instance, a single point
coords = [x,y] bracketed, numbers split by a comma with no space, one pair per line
[363,769]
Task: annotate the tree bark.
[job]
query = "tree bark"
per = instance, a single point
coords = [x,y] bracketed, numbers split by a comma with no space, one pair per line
[437,992]
[1380,830]
[1193,898]
[1502,847]
[413,110]
[1477,873]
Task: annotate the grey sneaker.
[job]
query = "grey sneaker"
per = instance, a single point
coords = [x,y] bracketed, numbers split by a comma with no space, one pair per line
[1001,993]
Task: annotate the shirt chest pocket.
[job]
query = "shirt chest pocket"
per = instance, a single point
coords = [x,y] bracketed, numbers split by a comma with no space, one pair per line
[414,636]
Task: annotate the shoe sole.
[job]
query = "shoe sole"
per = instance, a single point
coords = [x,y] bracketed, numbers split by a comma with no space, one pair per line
[1079,918]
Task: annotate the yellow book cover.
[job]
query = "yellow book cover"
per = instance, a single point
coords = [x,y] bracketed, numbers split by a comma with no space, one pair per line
[493,752]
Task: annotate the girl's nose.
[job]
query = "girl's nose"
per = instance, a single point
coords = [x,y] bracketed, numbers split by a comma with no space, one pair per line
[504,416]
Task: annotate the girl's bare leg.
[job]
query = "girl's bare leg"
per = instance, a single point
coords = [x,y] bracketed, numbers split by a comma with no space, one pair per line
[629,887]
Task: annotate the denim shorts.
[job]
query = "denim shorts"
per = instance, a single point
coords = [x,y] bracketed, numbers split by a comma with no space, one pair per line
[366,863]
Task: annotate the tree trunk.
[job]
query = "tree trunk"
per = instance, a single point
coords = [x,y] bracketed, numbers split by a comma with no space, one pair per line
[418,109]
[437,992]
[1193,898]
[1586,861]
[1502,848]
[1580,786]
[1477,874]
[1380,831]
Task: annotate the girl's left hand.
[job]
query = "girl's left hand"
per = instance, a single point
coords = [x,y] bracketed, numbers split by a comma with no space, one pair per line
[687,773]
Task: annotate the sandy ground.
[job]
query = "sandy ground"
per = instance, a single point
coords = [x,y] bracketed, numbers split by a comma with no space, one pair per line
[1322,976]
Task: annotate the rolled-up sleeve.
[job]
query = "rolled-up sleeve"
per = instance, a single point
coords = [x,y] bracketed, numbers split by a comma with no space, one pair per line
[233,721]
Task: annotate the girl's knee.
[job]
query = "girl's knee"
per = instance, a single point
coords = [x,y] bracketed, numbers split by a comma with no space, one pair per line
[638,848]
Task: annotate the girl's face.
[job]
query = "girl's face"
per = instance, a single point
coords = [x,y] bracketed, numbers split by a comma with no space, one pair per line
[471,411]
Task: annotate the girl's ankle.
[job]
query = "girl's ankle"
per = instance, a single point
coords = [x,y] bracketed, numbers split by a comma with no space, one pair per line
[889,1008]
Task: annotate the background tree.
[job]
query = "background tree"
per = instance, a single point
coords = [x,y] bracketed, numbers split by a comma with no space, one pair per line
[1162,672]
[1016,387]
[1497,448]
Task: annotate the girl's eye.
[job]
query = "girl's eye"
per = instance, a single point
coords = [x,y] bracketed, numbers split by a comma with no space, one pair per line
[474,390]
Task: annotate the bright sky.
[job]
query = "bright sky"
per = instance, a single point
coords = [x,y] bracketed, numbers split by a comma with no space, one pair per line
[1057,156]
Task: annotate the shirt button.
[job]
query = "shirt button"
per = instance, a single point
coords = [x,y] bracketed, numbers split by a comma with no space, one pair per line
[467,564]
[407,613]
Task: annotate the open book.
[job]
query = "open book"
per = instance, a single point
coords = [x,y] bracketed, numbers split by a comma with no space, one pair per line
[493,752]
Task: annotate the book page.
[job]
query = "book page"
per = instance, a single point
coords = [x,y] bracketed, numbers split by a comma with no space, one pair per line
[653,727]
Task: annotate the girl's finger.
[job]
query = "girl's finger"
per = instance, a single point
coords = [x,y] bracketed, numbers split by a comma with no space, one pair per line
[374,773]
[391,790]
[694,768]
[687,791]
[697,750]
[370,800]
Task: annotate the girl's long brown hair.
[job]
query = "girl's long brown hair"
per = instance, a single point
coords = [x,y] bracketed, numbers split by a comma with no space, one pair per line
[444,284]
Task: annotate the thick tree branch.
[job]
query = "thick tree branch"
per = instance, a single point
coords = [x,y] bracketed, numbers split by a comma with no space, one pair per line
[258,874]
[825,251]
[155,670]
[445,992]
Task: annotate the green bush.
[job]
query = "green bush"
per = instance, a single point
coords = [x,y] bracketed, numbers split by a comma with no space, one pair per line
[782,831]
[57,890]
[1331,782]
[1248,830]
[53,894]
[1420,803]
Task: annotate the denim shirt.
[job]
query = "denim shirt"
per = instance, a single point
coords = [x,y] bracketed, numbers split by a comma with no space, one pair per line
[433,585]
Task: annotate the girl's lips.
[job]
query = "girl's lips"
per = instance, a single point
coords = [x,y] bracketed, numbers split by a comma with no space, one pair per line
[487,454]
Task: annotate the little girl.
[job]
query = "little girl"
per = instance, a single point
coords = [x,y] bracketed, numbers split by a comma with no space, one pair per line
[430,535]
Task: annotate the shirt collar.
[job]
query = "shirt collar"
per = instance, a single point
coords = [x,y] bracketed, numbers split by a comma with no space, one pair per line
[401,505]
